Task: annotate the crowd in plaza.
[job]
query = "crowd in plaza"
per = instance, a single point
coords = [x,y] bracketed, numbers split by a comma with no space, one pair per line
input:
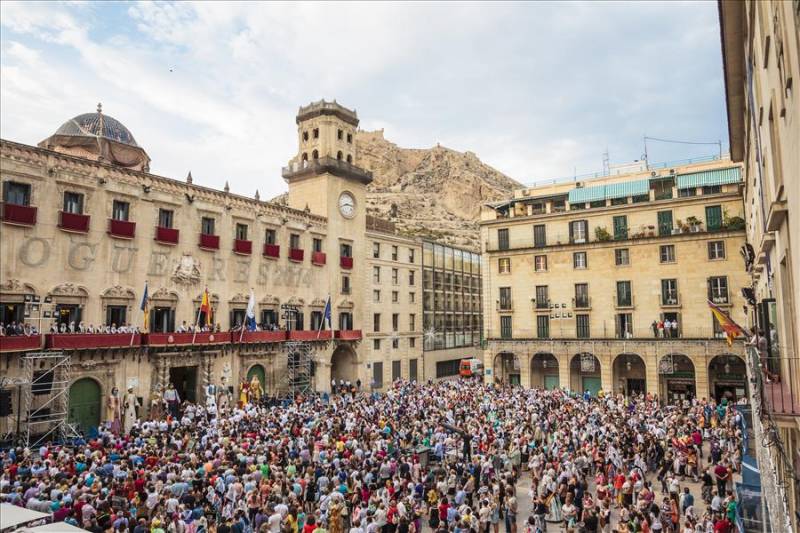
[448,456]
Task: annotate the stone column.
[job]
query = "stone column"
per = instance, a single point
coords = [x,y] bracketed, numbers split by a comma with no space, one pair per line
[563,356]
[322,377]
[651,371]
[606,372]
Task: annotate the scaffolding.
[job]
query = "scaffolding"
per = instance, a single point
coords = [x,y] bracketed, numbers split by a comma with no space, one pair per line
[299,366]
[47,378]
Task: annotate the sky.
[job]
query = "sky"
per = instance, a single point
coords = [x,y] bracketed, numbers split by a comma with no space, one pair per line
[537,90]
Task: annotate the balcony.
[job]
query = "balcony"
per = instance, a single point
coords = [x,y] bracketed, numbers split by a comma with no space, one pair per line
[347,334]
[90,341]
[251,337]
[542,304]
[318,258]
[272,250]
[242,247]
[20,343]
[670,300]
[166,235]
[780,399]
[184,339]
[309,335]
[720,299]
[296,255]
[19,215]
[329,165]
[73,222]
[209,242]
[624,303]
[346,262]
[121,229]
[503,305]
[582,303]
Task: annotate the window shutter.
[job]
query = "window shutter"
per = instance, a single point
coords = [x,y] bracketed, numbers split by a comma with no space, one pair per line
[571,232]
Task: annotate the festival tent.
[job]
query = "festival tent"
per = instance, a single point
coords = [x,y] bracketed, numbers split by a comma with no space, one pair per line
[12,515]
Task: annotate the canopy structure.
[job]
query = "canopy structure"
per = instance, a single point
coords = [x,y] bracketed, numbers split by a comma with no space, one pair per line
[609,191]
[721,176]
[12,515]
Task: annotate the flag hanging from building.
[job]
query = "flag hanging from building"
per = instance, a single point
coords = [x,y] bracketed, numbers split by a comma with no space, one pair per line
[250,320]
[145,307]
[731,328]
[326,316]
[205,307]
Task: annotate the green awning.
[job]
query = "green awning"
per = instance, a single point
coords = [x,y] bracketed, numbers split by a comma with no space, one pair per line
[627,188]
[587,194]
[709,178]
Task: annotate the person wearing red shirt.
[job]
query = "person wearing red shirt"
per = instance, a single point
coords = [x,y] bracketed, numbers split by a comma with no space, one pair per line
[723,525]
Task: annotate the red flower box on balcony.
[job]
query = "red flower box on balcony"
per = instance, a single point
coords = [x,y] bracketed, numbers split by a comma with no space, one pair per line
[167,235]
[242,247]
[80,341]
[20,343]
[121,229]
[272,250]
[318,258]
[209,242]
[259,336]
[348,334]
[73,222]
[181,339]
[296,254]
[346,262]
[309,335]
[21,215]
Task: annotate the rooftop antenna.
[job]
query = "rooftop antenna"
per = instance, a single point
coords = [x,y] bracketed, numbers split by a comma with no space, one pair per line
[646,163]
[606,162]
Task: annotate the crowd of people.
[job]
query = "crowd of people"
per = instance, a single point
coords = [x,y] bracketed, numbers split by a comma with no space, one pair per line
[665,328]
[17,328]
[451,456]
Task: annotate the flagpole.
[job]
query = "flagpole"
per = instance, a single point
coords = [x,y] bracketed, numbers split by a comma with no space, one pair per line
[197,320]
[133,330]
[245,317]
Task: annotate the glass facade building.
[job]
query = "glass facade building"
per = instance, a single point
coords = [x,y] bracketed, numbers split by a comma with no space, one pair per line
[451,302]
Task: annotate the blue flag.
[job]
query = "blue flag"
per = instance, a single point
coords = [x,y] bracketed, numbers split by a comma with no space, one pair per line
[250,320]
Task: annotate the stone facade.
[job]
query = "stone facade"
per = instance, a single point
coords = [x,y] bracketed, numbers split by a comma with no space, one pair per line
[576,275]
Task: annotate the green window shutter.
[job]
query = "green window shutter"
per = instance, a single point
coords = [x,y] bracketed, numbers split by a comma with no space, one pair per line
[621,227]
[713,217]
[664,222]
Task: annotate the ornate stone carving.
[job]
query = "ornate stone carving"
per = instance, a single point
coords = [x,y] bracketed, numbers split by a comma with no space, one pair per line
[239,298]
[187,271]
[270,300]
[164,294]
[318,302]
[118,291]
[69,289]
[15,286]
[345,304]
[294,300]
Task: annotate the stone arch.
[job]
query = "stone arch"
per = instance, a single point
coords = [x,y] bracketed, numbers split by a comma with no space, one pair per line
[584,373]
[544,371]
[315,154]
[70,301]
[85,404]
[676,378]
[349,158]
[629,374]
[339,155]
[117,305]
[727,377]
[507,368]
[344,363]
[258,371]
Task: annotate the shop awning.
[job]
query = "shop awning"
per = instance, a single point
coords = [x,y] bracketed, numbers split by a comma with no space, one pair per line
[587,194]
[627,188]
[708,178]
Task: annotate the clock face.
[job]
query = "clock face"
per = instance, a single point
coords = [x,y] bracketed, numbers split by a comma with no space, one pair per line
[347,205]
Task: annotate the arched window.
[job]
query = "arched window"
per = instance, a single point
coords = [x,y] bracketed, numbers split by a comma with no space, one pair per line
[305,135]
[315,154]
[305,156]
[339,155]
[349,158]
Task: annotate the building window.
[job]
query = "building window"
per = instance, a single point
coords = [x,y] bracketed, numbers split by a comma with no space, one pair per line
[395,321]
[305,135]
[73,203]
[669,292]
[349,158]
[395,297]
[540,263]
[394,253]
[685,193]
[578,231]
[411,278]
[579,260]
[396,369]
[664,222]
[447,368]
[542,297]
[376,344]
[207,226]
[120,210]
[712,189]
[269,236]
[505,327]
[713,217]
[294,241]
[624,296]
[395,276]
[316,244]
[412,297]
[718,289]
[505,298]
[719,333]
[543,326]
[502,239]
[716,250]
[624,325]
[316,320]
[269,319]
[504,265]
[345,321]
[376,296]
[339,134]
[619,201]
[376,250]
[376,274]
[17,193]
[539,236]
[412,321]
[582,326]
[410,255]
[345,284]
[116,315]
[581,295]
[316,133]
[667,253]
[241,232]
[315,154]
[622,257]
[377,373]
[376,322]
[620,227]
[412,343]
[350,137]
[165,218]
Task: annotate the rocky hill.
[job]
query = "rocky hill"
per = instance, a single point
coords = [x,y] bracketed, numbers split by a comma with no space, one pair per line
[435,192]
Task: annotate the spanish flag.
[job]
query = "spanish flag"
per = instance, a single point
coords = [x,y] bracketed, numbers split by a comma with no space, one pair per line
[205,307]
[145,307]
[731,328]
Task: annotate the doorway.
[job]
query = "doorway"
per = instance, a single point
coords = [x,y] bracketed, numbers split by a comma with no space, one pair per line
[184,378]
[591,384]
[84,405]
[65,314]
[163,320]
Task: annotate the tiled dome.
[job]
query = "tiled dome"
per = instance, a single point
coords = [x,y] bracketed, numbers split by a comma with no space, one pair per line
[97,125]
